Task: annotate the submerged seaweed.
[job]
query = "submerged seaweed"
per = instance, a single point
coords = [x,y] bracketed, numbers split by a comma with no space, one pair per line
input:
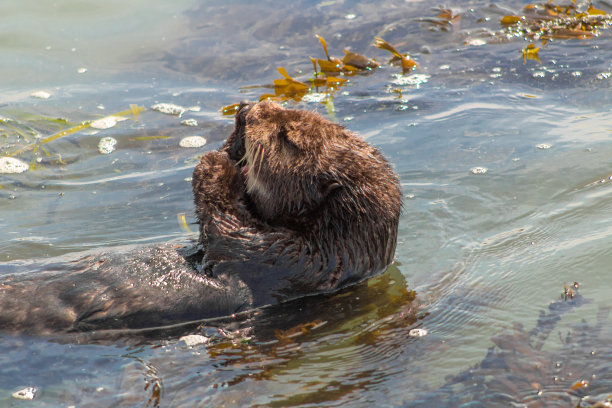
[519,371]
[31,133]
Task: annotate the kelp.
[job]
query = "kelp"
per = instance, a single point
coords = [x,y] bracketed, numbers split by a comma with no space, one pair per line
[521,369]
[547,21]
[531,52]
[350,63]
[328,75]
[28,139]
[535,22]
[404,60]
[445,20]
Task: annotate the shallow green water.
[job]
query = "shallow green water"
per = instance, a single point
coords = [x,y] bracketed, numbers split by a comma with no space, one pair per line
[481,252]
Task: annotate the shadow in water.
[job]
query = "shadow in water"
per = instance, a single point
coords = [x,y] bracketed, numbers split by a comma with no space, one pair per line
[352,333]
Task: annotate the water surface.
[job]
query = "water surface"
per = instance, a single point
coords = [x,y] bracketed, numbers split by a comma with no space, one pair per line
[477,254]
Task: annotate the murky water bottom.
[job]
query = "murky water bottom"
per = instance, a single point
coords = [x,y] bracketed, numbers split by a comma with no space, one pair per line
[482,259]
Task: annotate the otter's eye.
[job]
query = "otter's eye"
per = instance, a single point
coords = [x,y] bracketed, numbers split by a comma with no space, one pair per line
[285,141]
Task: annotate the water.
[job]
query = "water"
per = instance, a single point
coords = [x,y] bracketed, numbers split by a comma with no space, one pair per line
[477,253]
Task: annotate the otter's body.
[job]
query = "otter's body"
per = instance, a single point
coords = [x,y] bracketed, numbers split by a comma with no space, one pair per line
[292,205]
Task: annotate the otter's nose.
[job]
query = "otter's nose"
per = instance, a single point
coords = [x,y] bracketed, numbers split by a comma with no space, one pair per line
[243,110]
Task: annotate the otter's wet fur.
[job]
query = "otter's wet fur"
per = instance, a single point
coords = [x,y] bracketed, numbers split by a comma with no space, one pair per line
[304,198]
[291,205]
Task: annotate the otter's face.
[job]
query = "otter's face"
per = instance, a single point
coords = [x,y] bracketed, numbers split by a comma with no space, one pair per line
[295,162]
[283,155]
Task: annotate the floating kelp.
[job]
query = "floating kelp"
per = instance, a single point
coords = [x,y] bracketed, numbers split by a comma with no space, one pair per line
[445,20]
[287,88]
[542,22]
[547,21]
[407,63]
[326,75]
[531,52]
[351,62]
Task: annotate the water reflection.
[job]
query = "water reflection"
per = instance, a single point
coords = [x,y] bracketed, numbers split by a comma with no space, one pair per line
[334,345]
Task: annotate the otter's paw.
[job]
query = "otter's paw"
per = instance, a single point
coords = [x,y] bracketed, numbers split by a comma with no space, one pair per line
[217,183]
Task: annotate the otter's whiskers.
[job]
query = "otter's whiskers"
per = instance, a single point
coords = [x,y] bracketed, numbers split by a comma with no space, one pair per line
[254,184]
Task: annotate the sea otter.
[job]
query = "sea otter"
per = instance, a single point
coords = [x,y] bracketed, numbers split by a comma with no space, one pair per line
[291,205]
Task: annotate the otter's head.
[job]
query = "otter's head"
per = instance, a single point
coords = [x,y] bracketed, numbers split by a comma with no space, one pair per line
[301,169]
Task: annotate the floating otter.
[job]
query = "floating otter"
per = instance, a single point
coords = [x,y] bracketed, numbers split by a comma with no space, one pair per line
[291,205]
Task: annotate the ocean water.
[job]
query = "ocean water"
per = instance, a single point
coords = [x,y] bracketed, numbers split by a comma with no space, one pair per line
[504,164]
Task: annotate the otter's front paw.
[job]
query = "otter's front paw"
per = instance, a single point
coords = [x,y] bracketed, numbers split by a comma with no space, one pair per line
[217,184]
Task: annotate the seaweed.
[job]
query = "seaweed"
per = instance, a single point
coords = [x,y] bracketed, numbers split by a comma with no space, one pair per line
[22,135]
[547,21]
[407,63]
[517,370]
[328,76]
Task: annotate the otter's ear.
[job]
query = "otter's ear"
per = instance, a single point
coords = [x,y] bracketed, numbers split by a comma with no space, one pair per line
[329,186]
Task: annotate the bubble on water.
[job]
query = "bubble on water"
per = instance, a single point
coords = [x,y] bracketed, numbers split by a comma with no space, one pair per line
[27,393]
[194,339]
[317,97]
[539,74]
[169,109]
[41,94]
[413,79]
[12,165]
[444,67]
[576,74]
[478,170]
[189,122]
[543,146]
[107,145]
[106,122]
[350,16]
[475,42]
[603,75]
[417,333]
[192,141]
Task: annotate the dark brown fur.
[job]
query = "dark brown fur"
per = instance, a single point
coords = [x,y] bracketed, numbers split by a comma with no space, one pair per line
[301,195]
